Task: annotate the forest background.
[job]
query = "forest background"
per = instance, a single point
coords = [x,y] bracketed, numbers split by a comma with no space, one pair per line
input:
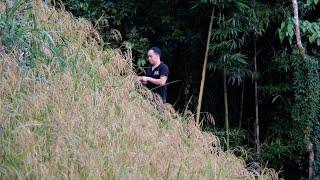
[259,93]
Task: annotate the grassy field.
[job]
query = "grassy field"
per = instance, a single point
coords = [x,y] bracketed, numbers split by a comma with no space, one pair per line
[70,108]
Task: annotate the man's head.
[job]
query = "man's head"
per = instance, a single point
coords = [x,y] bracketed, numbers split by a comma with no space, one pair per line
[154,55]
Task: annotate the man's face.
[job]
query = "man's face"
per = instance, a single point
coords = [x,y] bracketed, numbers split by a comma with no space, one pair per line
[152,57]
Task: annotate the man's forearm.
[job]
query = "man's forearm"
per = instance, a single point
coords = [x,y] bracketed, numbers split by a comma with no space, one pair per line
[158,82]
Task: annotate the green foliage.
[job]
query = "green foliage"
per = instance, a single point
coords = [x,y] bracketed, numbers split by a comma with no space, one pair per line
[139,44]
[287,30]
[258,17]
[277,147]
[24,35]
[285,141]
[306,87]
[228,37]
[312,2]
[275,89]
[311,31]
[316,144]
[233,31]
[108,15]
[282,62]
[305,111]
[94,10]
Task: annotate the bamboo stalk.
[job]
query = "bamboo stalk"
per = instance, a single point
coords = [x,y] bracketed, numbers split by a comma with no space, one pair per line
[204,70]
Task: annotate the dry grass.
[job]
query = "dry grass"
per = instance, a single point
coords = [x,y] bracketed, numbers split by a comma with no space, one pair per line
[89,119]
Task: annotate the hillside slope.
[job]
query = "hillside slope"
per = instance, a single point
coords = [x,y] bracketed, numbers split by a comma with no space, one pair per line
[70,108]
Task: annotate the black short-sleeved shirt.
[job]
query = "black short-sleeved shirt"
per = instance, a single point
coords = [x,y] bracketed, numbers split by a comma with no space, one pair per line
[161,70]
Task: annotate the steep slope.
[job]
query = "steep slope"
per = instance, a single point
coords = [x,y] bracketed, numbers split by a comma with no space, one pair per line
[72,109]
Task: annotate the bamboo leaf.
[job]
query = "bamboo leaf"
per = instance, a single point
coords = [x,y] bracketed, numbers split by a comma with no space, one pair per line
[318,41]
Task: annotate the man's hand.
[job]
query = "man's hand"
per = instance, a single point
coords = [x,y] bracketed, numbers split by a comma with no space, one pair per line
[158,82]
[143,79]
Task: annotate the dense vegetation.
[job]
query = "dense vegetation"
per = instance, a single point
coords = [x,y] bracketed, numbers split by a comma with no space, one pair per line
[257,83]
[70,109]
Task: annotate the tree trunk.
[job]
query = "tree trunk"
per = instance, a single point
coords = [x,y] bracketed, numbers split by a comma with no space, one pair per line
[311,159]
[303,55]
[297,28]
[241,104]
[226,113]
[204,70]
[257,130]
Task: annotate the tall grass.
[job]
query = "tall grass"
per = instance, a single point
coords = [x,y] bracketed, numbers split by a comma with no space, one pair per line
[70,108]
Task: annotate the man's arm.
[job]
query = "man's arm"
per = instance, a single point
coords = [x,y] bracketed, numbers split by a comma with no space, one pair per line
[159,82]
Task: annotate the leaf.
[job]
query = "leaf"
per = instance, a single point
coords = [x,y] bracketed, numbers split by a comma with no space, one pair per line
[290,29]
[282,25]
[241,60]
[303,26]
[242,6]
[290,33]
[49,37]
[281,35]
[312,38]
[276,97]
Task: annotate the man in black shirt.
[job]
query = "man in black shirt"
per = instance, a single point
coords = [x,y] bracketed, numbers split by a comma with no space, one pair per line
[156,74]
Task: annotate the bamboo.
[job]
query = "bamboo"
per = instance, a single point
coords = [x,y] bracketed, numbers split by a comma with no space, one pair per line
[204,70]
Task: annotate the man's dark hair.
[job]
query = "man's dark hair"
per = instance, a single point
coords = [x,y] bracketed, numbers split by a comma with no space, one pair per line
[156,50]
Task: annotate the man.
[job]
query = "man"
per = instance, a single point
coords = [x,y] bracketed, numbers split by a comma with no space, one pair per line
[156,74]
